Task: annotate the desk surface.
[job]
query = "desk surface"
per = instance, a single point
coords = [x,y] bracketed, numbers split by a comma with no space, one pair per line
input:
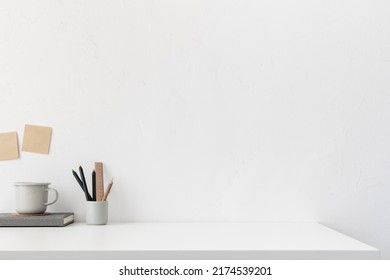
[182,241]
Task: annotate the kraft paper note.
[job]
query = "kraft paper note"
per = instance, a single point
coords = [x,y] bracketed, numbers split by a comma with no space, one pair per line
[36,139]
[9,146]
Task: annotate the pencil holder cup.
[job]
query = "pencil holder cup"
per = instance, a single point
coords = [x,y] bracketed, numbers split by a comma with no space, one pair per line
[96,212]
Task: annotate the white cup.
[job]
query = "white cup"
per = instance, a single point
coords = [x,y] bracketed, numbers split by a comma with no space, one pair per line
[31,198]
[96,212]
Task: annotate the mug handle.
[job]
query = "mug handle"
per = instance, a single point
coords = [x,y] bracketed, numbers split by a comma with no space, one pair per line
[56,196]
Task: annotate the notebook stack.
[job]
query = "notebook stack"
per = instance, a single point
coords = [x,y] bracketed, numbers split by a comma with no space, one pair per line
[40,220]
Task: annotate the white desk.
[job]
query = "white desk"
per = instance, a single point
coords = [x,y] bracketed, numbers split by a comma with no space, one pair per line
[182,241]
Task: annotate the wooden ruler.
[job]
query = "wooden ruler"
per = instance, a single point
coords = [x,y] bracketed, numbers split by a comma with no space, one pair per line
[99,181]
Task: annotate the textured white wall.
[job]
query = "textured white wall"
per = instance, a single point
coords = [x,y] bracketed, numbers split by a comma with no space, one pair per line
[206,110]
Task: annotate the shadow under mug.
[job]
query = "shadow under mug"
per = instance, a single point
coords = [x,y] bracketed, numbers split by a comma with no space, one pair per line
[32,198]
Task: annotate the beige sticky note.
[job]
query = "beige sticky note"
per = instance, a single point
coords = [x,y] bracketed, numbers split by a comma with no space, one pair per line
[36,139]
[9,146]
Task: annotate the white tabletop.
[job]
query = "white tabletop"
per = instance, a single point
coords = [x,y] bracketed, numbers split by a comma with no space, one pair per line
[182,241]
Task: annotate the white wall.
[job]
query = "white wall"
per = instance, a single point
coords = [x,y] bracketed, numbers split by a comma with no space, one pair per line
[206,110]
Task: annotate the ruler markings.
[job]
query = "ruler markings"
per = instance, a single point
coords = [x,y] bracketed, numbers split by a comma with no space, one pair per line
[99,181]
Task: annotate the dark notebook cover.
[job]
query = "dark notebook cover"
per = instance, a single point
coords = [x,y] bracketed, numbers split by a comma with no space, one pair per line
[44,220]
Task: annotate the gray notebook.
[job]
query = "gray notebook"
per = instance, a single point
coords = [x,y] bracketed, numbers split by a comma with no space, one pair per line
[46,220]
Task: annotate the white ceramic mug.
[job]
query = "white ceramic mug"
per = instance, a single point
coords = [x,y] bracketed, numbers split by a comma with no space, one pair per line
[31,198]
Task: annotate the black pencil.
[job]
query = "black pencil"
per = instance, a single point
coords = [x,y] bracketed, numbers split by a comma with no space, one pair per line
[94,185]
[89,198]
[81,184]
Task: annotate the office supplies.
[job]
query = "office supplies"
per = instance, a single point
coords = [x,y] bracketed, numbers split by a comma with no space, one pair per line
[87,196]
[36,139]
[9,146]
[99,181]
[94,185]
[41,220]
[108,189]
